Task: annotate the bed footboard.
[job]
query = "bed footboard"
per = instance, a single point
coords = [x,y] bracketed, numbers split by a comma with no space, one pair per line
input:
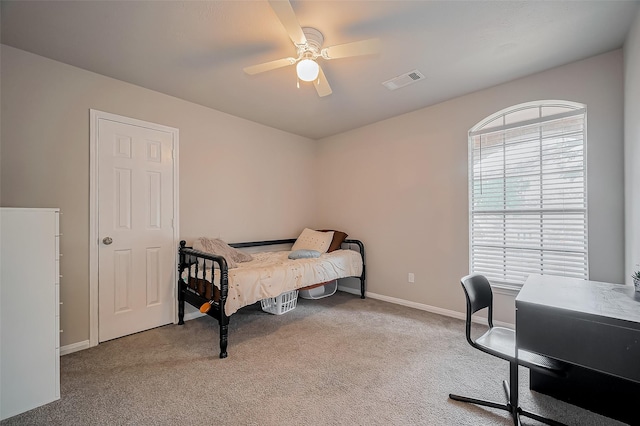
[364,264]
[197,291]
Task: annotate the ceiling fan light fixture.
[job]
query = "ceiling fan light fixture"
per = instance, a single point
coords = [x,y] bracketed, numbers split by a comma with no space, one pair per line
[307,70]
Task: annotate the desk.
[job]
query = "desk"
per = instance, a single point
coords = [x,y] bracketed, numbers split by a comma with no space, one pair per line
[593,326]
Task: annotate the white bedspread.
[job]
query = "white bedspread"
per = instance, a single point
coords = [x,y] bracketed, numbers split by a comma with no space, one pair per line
[270,274]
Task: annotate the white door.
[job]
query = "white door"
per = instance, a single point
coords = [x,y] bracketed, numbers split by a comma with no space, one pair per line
[136,254]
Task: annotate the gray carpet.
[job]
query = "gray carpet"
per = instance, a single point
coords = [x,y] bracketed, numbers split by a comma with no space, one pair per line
[335,361]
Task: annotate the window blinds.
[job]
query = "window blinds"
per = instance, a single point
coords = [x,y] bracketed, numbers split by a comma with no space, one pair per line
[528,206]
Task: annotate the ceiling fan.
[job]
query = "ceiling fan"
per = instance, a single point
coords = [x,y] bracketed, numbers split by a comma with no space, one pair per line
[308,42]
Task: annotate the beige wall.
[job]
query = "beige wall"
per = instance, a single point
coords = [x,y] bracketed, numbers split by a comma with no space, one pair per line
[400,185]
[632,149]
[238,180]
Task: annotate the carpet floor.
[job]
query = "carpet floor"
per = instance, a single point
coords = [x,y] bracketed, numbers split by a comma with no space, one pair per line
[335,361]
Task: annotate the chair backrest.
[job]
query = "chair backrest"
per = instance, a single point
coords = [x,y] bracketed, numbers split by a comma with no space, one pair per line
[478,292]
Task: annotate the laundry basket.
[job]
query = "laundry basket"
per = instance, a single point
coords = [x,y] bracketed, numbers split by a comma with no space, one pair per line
[281,304]
[326,290]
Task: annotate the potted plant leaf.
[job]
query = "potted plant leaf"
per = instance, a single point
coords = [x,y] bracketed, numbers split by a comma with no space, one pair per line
[636,280]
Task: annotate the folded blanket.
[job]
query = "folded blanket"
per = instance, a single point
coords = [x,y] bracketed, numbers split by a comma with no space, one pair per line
[220,248]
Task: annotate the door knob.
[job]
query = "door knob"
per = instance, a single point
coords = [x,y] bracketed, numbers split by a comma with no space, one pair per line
[107,240]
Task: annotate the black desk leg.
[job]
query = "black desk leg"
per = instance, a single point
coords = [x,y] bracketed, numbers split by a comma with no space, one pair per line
[518,411]
[601,393]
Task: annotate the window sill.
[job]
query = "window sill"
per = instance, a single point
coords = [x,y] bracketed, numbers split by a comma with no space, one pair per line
[506,289]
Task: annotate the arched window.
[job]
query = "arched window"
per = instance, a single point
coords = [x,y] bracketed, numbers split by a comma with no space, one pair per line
[528,192]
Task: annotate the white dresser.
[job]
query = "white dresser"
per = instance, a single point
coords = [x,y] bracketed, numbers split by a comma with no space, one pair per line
[29,309]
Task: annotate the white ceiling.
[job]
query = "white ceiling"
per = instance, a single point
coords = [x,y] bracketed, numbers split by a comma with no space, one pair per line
[197,50]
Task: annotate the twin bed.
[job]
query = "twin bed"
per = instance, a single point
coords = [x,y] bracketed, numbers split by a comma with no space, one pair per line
[207,282]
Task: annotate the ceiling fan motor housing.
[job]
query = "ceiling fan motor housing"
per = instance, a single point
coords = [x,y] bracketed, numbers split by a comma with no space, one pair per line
[314,42]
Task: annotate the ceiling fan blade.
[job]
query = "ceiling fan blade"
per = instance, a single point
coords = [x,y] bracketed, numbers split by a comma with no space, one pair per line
[356,48]
[268,66]
[287,17]
[322,85]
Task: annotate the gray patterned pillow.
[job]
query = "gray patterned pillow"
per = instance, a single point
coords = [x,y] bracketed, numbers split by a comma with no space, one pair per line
[303,254]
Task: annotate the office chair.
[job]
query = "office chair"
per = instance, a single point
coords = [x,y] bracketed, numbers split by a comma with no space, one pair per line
[501,342]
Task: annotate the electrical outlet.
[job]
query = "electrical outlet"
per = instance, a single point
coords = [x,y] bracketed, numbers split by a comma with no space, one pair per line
[411,278]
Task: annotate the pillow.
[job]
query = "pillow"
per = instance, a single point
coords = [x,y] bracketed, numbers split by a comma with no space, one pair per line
[304,254]
[313,240]
[338,239]
[219,247]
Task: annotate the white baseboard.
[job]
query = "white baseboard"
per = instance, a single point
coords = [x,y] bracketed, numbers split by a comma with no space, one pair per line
[422,306]
[74,347]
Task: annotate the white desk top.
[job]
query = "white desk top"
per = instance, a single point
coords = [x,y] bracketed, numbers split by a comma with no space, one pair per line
[607,300]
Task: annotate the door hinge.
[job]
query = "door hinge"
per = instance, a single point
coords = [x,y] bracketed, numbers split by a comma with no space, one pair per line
[173,154]
[172,223]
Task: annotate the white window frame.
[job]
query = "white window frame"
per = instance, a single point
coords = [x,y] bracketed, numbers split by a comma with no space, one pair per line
[487,126]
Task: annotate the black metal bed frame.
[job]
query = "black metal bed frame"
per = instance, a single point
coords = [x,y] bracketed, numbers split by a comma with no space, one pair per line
[201,261]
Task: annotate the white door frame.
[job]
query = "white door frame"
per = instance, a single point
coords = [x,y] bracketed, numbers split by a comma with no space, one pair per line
[94,237]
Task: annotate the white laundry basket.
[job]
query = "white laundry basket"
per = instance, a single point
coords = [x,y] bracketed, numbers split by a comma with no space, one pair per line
[326,290]
[281,304]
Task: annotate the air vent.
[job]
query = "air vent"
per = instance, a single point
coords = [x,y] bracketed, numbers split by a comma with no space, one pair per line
[403,80]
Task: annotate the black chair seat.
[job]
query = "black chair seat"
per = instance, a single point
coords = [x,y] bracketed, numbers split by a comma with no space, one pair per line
[501,342]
